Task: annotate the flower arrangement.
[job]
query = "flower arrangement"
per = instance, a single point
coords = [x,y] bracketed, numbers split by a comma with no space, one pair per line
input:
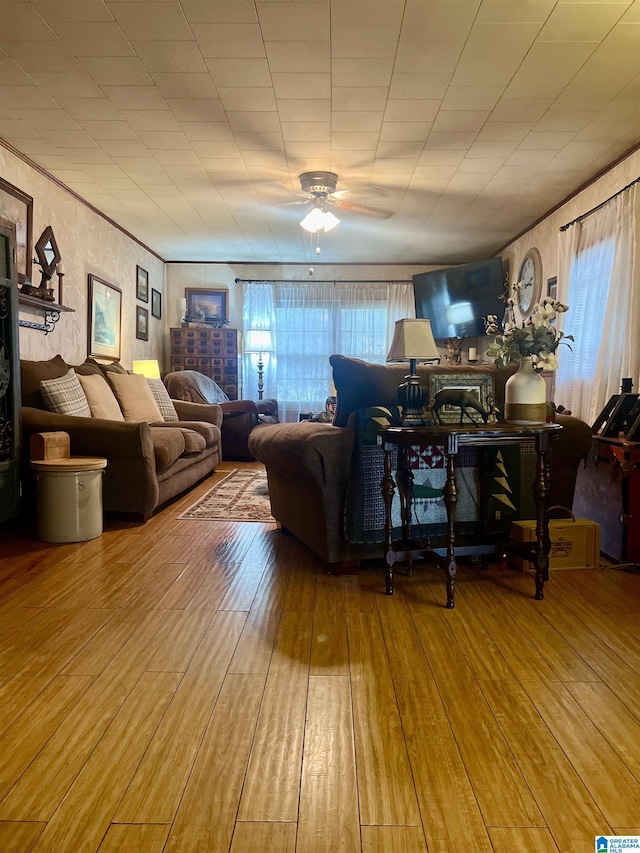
[536,336]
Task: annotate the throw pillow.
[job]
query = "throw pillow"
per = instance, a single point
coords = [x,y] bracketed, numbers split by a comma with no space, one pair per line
[164,401]
[100,397]
[135,397]
[33,372]
[64,395]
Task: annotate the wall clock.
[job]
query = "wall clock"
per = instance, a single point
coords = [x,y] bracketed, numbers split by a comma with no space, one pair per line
[530,279]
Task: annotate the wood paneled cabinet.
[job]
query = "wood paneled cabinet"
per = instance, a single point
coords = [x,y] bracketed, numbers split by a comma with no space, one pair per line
[213,352]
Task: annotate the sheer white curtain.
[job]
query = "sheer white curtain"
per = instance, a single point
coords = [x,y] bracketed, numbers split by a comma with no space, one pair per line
[599,278]
[310,321]
[258,312]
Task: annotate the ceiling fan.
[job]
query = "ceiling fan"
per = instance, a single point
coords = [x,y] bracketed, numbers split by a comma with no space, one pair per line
[320,189]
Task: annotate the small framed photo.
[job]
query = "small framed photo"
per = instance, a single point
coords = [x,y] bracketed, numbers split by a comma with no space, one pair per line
[105,313]
[479,385]
[142,284]
[156,303]
[142,323]
[17,207]
[206,306]
[552,288]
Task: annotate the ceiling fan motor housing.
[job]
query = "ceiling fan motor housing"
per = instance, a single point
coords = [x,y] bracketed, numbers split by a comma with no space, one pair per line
[320,184]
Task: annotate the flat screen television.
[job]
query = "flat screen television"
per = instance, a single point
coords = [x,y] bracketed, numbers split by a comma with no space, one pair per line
[456,299]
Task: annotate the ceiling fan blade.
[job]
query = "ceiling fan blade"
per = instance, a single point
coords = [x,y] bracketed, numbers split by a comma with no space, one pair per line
[376,212]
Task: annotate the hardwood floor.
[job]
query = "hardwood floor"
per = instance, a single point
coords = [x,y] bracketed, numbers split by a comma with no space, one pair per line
[192,686]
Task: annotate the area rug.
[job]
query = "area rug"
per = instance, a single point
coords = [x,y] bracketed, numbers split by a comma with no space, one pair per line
[240,496]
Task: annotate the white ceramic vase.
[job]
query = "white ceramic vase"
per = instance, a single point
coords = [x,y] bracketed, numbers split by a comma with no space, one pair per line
[525,396]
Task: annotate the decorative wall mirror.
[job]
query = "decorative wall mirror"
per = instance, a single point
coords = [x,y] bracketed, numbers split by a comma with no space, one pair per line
[48,253]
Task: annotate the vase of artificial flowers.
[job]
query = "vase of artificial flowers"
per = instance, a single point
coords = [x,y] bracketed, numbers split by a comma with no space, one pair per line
[532,343]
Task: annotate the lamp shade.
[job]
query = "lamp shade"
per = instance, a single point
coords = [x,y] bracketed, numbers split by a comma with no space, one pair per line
[413,339]
[148,367]
[258,340]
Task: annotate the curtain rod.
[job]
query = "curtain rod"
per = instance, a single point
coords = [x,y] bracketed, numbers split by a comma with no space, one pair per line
[598,206]
[321,281]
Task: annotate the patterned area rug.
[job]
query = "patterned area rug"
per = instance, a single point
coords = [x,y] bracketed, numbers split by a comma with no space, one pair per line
[240,496]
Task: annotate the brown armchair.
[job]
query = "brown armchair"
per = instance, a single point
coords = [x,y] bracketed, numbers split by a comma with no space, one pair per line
[240,417]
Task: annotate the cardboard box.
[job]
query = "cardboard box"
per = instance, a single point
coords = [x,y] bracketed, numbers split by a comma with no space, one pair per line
[575,543]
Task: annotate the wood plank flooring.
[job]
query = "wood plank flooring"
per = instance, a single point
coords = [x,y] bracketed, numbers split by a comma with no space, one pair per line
[206,687]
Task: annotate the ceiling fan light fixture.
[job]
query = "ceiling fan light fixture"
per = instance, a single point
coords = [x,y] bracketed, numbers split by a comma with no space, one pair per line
[319,220]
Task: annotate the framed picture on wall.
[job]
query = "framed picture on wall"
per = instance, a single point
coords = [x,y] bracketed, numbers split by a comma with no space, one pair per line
[156,303]
[208,306]
[105,319]
[142,284]
[17,207]
[142,323]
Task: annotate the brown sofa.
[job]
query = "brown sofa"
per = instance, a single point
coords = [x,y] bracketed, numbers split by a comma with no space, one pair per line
[147,464]
[311,467]
[239,416]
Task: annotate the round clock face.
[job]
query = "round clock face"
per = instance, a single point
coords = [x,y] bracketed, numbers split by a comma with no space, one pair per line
[530,280]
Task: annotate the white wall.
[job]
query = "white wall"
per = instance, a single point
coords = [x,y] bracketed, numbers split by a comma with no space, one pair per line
[87,244]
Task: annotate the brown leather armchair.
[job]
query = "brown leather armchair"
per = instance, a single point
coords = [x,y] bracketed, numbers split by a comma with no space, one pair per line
[240,417]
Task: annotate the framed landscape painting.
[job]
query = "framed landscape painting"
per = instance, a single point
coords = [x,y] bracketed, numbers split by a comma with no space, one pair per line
[206,305]
[142,284]
[156,303]
[142,323]
[17,207]
[105,319]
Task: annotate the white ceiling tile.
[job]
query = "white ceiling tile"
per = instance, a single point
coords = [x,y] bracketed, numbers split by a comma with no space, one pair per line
[359,98]
[350,71]
[460,140]
[447,120]
[356,122]
[29,97]
[50,56]
[239,72]
[94,39]
[41,148]
[162,140]
[506,131]
[179,57]
[21,22]
[135,97]
[12,75]
[394,149]
[255,141]
[163,21]
[92,109]
[219,11]
[303,56]
[439,157]
[411,110]
[151,120]
[538,157]
[481,164]
[581,21]
[69,138]
[247,99]
[124,148]
[48,119]
[354,141]
[117,71]
[73,10]
[254,122]
[495,11]
[471,97]
[521,109]
[226,165]
[429,86]
[108,129]
[365,28]
[67,84]
[564,120]
[495,67]
[302,131]
[294,21]
[185,85]
[229,40]
[303,110]
[536,86]
[218,149]
[206,130]
[409,131]
[492,149]
[90,155]
[448,26]
[196,109]
[296,86]
[175,157]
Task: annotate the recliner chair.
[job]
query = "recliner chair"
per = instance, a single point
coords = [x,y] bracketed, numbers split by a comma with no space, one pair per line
[240,417]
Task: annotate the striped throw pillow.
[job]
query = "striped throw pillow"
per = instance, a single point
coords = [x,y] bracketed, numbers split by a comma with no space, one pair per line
[65,396]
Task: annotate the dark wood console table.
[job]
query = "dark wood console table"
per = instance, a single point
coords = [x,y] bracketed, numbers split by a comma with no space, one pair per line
[451,438]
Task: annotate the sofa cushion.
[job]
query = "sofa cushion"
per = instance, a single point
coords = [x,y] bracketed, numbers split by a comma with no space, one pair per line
[64,395]
[33,372]
[209,432]
[193,441]
[168,445]
[162,398]
[100,397]
[135,397]
[89,367]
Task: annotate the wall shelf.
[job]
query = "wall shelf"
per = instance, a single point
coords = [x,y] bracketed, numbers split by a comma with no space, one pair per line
[50,310]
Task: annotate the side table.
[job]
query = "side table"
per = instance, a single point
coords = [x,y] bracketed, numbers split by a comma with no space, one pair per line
[451,438]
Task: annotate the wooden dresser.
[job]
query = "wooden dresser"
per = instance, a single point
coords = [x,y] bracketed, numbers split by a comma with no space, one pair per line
[213,352]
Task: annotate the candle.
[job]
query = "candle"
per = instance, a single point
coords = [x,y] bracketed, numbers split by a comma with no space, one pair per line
[60,269]
[473,354]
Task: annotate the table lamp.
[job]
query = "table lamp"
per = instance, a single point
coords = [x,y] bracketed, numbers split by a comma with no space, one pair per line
[413,341]
[148,367]
[258,340]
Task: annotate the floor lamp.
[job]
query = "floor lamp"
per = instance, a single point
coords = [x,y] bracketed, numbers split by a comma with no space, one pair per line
[258,340]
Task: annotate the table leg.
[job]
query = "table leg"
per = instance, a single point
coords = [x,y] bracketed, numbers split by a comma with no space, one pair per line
[541,491]
[387,489]
[450,500]
[405,489]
